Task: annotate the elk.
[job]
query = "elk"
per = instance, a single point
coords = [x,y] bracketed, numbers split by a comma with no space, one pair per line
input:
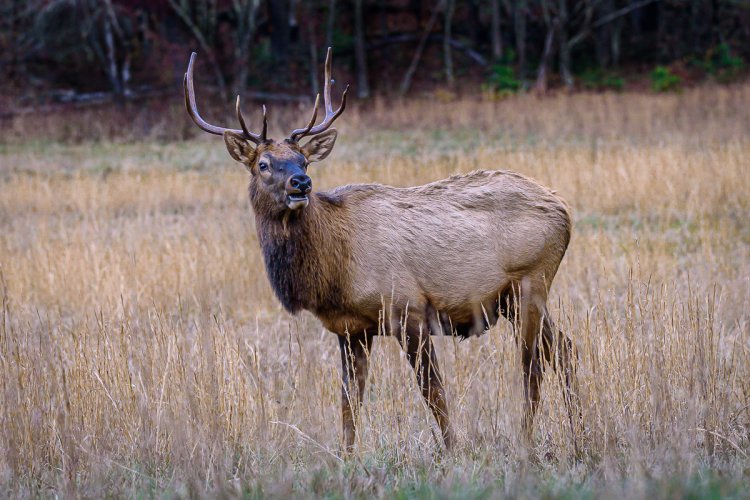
[447,257]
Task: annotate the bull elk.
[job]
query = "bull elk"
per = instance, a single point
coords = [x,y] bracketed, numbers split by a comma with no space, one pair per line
[444,258]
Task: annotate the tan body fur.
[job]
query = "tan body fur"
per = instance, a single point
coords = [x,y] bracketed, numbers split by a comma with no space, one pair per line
[456,244]
[444,258]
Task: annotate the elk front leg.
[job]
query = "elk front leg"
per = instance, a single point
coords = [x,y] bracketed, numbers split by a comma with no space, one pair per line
[421,354]
[354,363]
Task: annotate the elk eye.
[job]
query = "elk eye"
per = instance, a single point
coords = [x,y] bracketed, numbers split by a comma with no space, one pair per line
[263,166]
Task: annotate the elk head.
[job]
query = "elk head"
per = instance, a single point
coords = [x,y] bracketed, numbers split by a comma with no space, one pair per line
[279,168]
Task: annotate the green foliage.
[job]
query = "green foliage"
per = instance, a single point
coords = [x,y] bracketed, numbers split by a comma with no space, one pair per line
[596,79]
[343,41]
[663,80]
[260,54]
[502,79]
[721,63]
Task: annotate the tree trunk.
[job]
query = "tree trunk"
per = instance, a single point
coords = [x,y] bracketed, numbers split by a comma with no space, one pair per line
[112,72]
[696,33]
[661,28]
[541,77]
[13,70]
[603,35]
[519,24]
[331,22]
[565,72]
[200,36]
[416,7]
[114,33]
[125,75]
[383,11]
[245,13]
[363,86]
[475,23]
[406,81]
[614,42]
[313,46]
[447,55]
[279,17]
[497,39]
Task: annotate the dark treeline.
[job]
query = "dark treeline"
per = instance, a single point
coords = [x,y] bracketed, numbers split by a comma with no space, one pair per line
[71,49]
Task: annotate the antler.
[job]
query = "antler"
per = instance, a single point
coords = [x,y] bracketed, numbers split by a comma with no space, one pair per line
[192,110]
[331,115]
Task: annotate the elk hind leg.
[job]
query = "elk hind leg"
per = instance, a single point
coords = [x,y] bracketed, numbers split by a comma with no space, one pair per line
[354,365]
[557,349]
[421,354]
[532,307]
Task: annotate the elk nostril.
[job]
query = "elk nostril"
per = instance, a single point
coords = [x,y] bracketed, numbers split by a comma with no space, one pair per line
[301,183]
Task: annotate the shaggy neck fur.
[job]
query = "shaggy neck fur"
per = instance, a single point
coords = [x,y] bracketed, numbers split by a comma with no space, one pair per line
[304,252]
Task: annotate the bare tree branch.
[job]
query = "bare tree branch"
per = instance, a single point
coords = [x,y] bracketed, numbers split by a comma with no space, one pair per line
[363,85]
[407,38]
[588,26]
[541,78]
[497,39]
[203,42]
[450,6]
[406,82]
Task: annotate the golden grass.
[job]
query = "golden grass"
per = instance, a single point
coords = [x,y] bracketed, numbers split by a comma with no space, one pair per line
[142,351]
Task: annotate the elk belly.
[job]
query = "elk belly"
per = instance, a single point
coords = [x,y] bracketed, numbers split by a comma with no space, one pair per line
[472,320]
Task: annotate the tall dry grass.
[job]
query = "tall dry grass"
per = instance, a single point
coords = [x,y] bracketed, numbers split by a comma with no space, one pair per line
[142,351]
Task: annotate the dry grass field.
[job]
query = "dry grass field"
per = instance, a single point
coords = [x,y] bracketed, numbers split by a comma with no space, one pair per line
[142,352]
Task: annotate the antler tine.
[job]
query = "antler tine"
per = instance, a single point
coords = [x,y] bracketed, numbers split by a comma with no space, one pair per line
[240,118]
[299,133]
[257,139]
[328,106]
[192,109]
[327,83]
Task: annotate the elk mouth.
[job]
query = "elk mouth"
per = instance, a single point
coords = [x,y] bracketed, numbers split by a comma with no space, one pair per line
[296,201]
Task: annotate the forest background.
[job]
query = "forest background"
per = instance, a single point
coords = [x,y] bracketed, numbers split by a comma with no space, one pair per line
[89,52]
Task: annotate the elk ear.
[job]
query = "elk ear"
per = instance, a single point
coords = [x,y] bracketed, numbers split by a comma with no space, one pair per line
[320,146]
[239,148]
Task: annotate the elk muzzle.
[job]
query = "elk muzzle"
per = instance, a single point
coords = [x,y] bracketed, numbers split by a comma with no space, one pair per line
[297,188]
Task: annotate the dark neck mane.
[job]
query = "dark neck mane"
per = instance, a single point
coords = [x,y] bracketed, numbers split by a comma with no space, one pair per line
[305,255]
